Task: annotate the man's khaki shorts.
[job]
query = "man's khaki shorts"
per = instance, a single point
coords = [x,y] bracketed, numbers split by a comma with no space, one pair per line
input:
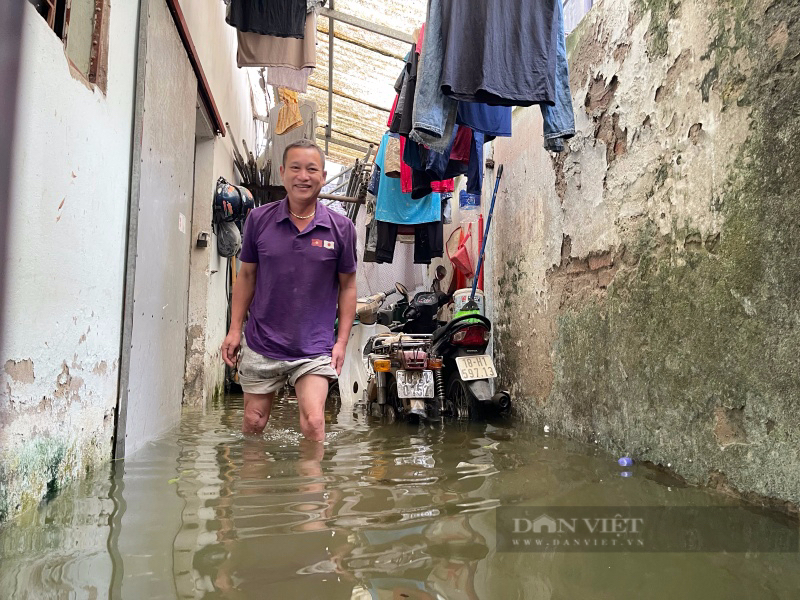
[261,375]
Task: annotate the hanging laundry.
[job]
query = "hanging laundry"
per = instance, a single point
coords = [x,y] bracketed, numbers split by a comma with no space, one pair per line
[279,18]
[391,112]
[447,208]
[428,166]
[399,100]
[447,186]
[392,159]
[428,242]
[492,121]
[393,206]
[270,51]
[289,115]
[475,167]
[406,234]
[434,114]
[371,238]
[290,78]
[405,170]
[278,143]
[402,122]
[461,144]
[374,179]
[559,119]
[501,52]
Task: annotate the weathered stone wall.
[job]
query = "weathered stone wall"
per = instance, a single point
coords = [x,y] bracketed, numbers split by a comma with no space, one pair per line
[648,280]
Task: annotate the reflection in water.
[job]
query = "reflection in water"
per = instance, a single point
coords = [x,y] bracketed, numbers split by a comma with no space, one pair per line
[397,513]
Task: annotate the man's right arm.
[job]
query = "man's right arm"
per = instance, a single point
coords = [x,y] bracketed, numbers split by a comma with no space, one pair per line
[243,292]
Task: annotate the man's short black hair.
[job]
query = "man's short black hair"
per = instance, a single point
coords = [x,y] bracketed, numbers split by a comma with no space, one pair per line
[303,144]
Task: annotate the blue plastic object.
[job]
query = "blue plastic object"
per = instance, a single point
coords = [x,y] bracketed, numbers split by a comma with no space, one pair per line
[625,461]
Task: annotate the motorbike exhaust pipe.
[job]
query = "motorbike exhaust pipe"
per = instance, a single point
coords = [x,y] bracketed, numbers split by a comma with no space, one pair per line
[501,400]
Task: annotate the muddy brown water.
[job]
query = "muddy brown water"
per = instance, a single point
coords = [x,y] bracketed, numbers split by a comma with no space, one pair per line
[396,512]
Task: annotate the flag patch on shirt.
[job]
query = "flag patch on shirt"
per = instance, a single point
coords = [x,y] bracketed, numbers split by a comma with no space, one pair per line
[328,244]
[317,243]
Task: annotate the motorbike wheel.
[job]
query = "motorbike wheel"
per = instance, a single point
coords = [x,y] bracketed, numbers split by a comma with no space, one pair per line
[462,403]
[390,414]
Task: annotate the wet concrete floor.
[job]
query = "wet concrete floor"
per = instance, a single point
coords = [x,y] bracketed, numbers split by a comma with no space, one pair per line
[398,512]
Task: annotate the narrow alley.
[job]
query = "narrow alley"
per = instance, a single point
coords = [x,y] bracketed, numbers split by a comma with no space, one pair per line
[423,299]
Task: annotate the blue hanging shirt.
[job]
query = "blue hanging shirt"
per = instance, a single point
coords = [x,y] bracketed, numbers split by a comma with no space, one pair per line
[393,206]
[493,121]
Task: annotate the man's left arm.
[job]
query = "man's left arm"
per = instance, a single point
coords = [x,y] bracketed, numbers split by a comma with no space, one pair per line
[347,314]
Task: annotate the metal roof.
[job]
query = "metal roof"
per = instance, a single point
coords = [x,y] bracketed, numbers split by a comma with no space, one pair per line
[365,67]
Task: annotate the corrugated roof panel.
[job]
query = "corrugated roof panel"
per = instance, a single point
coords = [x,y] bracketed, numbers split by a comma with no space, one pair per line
[366,66]
[361,72]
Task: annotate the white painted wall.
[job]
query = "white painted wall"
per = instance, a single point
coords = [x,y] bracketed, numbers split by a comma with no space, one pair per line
[60,358]
[215,42]
[66,261]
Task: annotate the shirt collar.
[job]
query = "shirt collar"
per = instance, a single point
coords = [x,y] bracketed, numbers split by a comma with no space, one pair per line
[322,217]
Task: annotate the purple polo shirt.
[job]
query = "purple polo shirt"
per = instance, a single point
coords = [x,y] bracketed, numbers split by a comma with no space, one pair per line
[293,312]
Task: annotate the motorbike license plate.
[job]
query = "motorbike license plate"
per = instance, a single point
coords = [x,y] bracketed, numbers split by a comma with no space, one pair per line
[475,367]
[415,384]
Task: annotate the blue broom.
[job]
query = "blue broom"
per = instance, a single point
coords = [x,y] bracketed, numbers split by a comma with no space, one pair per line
[471,307]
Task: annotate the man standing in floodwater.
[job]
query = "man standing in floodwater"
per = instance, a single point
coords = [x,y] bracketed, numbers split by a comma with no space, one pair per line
[298,262]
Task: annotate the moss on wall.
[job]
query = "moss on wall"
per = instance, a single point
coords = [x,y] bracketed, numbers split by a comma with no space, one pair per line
[692,358]
[44,464]
[661,13]
[668,327]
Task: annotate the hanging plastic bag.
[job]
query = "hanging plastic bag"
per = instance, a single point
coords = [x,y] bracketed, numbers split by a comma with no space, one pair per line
[460,258]
[229,240]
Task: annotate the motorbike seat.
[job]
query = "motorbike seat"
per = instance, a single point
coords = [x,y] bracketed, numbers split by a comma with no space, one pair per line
[458,323]
[367,308]
[386,339]
[439,333]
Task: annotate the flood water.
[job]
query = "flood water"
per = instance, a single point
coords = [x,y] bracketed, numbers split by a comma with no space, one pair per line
[400,512]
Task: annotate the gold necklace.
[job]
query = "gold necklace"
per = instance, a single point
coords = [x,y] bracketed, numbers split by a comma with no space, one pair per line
[302,218]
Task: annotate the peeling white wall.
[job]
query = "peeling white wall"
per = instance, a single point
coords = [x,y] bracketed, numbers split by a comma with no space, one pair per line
[66,260]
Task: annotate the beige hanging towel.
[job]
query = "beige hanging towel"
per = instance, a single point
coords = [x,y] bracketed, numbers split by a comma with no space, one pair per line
[257,50]
[289,116]
[392,158]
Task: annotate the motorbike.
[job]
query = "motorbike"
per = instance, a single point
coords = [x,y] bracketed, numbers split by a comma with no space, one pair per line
[460,344]
[468,369]
[406,378]
[355,372]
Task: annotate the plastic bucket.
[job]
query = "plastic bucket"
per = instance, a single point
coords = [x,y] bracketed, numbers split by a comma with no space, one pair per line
[461,297]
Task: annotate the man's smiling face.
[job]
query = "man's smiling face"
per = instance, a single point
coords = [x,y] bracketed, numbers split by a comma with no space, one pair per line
[303,173]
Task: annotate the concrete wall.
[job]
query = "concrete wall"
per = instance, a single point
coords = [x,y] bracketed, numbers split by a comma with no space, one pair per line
[208,303]
[66,263]
[164,193]
[648,294]
[66,271]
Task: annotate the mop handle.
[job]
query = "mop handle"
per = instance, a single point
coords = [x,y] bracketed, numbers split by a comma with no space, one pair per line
[486,234]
